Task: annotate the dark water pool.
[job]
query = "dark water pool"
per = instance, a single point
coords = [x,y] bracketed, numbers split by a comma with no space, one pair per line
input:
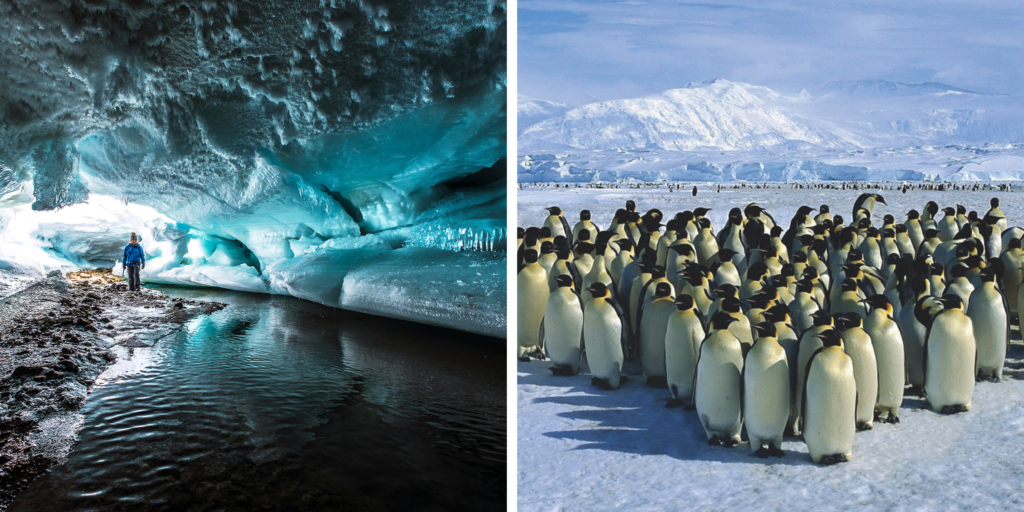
[279,404]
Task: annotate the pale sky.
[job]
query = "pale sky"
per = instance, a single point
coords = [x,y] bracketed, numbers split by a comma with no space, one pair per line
[576,51]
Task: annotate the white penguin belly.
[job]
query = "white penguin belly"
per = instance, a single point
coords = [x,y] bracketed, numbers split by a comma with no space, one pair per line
[563,329]
[829,415]
[719,376]
[766,400]
[602,332]
[989,320]
[949,377]
[682,344]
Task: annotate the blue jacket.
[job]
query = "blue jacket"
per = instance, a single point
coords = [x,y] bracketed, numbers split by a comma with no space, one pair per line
[133,254]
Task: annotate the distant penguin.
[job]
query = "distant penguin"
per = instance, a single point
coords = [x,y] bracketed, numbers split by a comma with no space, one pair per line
[652,335]
[950,353]
[766,393]
[603,333]
[531,301]
[991,322]
[887,342]
[563,328]
[830,402]
[718,385]
[686,330]
[857,344]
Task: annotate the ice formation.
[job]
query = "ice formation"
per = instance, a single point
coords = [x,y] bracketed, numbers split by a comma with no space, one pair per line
[272,147]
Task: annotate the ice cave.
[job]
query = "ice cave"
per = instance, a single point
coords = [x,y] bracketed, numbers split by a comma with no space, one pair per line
[350,153]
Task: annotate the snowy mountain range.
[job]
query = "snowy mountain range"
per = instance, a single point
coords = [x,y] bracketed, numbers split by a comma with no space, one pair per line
[721,130]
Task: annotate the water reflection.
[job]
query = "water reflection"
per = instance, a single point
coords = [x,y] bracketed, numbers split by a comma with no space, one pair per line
[276,403]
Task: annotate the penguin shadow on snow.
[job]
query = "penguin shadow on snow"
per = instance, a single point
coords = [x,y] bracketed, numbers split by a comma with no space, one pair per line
[1014,366]
[633,419]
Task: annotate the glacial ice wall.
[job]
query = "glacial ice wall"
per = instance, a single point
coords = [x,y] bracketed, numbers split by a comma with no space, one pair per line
[262,146]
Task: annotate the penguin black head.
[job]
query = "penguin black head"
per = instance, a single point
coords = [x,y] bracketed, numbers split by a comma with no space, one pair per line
[848,321]
[900,228]
[630,206]
[932,207]
[657,272]
[562,253]
[805,240]
[731,305]
[564,281]
[878,301]
[800,257]
[544,233]
[949,211]
[634,218]
[823,209]
[554,210]
[520,232]
[987,275]
[804,286]
[560,241]
[757,270]
[701,212]
[601,248]
[621,216]
[663,290]
[788,270]
[584,236]
[888,219]
[936,269]
[765,330]
[776,313]
[753,210]
[759,300]
[821,317]
[727,254]
[872,232]
[547,248]
[778,281]
[851,269]
[994,202]
[849,285]
[530,256]
[972,216]
[721,320]
[598,290]
[958,271]
[585,215]
[893,259]
[913,214]
[776,231]
[919,284]
[704,223]
[854,255]
[830,338]
[726,290]
[684,302]
[1014,243]
[810,273]
[624,244]
[864,223]
[880,199]
[960,209]
[837,220]
[951,301]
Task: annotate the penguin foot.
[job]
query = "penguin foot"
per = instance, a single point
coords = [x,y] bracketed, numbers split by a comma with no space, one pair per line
[675,402]
[601,383]
[761,453]
[892,418]
[834,459]
[657,382]
[730,442]
[562,370]
[953,409]
[775,451]
[715,441]
[865,426]
[995,379]
[525,359]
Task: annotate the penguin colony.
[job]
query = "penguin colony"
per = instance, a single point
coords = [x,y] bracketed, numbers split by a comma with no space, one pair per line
[812,329]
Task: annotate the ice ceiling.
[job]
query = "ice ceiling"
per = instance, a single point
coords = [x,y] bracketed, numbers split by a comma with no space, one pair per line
[310,148]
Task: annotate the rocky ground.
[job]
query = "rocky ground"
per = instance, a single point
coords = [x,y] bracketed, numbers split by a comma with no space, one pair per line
[55,338]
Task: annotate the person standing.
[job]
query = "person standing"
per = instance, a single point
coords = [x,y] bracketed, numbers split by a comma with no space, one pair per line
[134,260]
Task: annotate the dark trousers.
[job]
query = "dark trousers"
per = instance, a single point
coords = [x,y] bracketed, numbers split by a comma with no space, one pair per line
[133,277]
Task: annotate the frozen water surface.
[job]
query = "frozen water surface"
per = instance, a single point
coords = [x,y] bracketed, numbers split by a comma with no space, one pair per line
[580,448]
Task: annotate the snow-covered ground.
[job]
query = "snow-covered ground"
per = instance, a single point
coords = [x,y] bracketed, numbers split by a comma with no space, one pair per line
[581,448]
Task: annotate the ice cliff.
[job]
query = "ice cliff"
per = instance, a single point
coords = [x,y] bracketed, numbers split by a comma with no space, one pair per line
[310,148]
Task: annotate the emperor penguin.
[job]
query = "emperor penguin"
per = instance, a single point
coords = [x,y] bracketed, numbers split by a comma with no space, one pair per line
[996,213]
[914,320]
[950,352]
[624,258]
[887,341]
[603,333]
[788,339]
[547,256]
[809,343]
[803,306]
[849,300]
[647,270]
[915,231]
[991,322]
[686,330]
[867,201]
[857,344]
[585,224]
[718,385]
[959,285]
[598,271]
[563,266]
[904,242]
[725,270]
[928,216]
[830,402]
[823,214]
[531,301]
[563,328]
[652,335]
[947,225]
[741,327]
[1013,260]
[705,244]
[766,392]
[557,223]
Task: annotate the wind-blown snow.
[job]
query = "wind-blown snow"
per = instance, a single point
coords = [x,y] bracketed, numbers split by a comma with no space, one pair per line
[280,139]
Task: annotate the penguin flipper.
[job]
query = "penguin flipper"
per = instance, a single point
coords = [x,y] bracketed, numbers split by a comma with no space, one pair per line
[803,398]
[540,333]
[567,229]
